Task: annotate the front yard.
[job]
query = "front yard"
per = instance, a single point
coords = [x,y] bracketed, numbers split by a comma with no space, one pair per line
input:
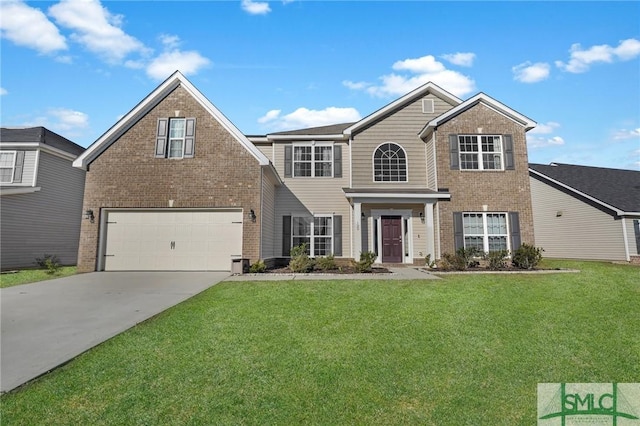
[467,349]
[25,276]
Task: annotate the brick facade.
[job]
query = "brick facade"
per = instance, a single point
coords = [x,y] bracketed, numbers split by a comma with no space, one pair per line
[222,174]
[500,191]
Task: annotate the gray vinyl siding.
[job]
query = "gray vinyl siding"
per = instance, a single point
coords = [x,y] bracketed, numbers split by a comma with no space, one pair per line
[266,149]
[308,196]
[580,232]
[28,168]
[46,221]
[402,128]
[268,218]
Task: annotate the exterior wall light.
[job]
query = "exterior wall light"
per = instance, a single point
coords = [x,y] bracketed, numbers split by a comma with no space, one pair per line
[252,215]
[88,214]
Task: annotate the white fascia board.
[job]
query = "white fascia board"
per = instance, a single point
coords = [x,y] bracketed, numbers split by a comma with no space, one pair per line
[155,97]
[486,100]
[19,190]
[582,194]
[337,136]
[420,91]
[37,145]
[379,195]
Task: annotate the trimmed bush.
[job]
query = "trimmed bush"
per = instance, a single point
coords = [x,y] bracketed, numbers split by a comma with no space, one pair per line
[460,261]
[497,259]
[367,258]
[326,263]
[300,261]
[527,256]
[258,268]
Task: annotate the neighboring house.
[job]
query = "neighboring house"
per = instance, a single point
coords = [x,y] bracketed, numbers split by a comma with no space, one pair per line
[40,197]
[175,185]
[582,212]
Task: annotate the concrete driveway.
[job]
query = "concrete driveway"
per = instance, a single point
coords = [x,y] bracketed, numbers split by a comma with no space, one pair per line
[48,323]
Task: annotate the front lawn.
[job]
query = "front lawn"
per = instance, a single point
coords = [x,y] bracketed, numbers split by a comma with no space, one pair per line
[25,276]
[462,350]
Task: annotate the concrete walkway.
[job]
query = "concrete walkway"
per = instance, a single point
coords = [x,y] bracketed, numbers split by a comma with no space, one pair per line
[399,273]
[48,323]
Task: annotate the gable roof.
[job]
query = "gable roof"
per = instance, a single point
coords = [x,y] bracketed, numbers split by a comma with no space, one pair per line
[470,103]
[615,189]
[148,103]
[38,136]
[401,102]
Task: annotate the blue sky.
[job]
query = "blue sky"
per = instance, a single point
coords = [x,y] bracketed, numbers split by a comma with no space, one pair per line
[77,66]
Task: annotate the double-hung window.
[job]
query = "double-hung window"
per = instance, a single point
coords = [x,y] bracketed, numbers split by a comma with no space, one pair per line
[175,138]
[485,231]
[313,160]
[480,152]
[177,127]
[7,166]
[316,232]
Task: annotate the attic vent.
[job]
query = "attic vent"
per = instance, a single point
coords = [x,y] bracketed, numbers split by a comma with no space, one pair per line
[427,106]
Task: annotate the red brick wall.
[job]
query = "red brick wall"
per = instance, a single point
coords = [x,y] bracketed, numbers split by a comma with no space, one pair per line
[501,191]
[222,174]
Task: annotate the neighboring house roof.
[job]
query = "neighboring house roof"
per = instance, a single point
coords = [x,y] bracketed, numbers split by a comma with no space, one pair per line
[38,136]
[401,102]
[148,103]
[471,102]
[615,189]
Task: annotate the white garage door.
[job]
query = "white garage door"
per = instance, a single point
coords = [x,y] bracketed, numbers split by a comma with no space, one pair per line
[172,240]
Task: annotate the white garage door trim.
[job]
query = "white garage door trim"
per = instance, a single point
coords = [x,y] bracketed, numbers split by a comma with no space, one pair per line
[196,239]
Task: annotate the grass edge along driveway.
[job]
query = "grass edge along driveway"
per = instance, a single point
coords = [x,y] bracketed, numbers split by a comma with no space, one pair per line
[27,276]
[461,350]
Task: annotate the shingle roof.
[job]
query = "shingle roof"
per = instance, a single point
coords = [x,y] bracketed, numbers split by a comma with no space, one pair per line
[321,130]
[616,187]
[39,135]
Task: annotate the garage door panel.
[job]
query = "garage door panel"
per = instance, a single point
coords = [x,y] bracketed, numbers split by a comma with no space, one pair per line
[168,240]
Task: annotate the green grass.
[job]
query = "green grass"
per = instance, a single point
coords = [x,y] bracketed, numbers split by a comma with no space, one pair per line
[26,276]
[464,350]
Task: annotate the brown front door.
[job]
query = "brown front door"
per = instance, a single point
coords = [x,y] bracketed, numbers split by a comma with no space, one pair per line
[391,239]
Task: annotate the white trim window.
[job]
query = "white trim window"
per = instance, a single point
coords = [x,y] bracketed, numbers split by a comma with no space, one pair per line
[485,231]
[316,232]
[177,133]
[314,160]
[7,166]
[389,163]
[480,152]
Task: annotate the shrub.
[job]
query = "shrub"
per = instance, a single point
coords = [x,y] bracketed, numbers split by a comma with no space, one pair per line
[527,256]
[50,262]
[497,259]
[460,261]
[300,261]
[326,263]
[367,258]
[428,262]
[258,268]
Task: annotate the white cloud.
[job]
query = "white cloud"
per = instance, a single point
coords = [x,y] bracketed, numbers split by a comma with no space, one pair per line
[539,136]
[531,73]
[170,41]
[581,59]
[28,26]
[96,29]
[188,62]
[3,91]
[624,134]
[304,117]
[425,69]
[461,59]
[68,119]
[255,7]
[361,85]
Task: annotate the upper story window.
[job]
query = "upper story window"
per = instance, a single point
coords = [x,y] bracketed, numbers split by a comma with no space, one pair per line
[390,163]
[312,160]
[480,152]
[176,138]
[7,165]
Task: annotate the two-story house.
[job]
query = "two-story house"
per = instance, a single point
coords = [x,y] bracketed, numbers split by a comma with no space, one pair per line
[40,197]
[176,186]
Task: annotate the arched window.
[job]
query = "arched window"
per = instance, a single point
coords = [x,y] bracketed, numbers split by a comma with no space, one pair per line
[390,163]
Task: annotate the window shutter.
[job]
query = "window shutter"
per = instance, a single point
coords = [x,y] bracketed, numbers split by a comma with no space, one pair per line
[161,138]
[337,161]
[17,172]
[636,231]
[288,160]
[286,235]
[337,235]
[514,225]
[190,138]
[453,152]
[508,153]
[458,231]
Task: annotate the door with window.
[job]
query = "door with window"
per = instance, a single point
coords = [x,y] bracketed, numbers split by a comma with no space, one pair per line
[392,245]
